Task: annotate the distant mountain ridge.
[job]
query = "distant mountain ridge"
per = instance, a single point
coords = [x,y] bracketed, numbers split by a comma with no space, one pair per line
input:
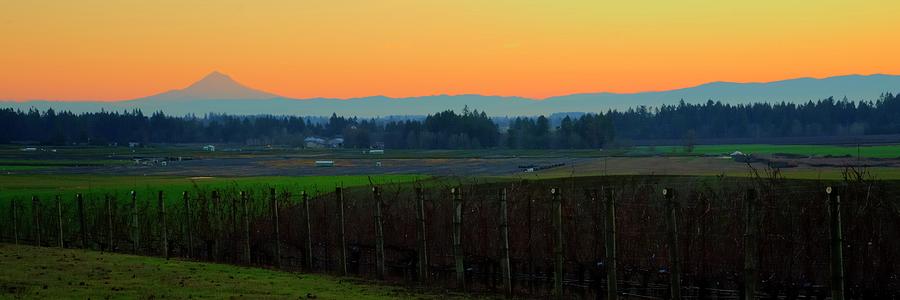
[210,95]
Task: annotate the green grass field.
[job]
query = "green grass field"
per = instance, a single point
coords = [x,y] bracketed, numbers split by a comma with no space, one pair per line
[48,186]
[12,168]
[52,273]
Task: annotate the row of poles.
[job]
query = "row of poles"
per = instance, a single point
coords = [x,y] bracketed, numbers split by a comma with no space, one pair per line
[750,237]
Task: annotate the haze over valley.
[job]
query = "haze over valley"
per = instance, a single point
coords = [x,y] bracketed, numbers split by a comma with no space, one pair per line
[220,93]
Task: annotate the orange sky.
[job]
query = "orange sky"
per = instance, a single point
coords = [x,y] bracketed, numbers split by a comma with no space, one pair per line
[114,50]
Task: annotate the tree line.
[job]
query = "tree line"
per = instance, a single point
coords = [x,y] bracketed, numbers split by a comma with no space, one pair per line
[469,129]
[826,117]
[443,130]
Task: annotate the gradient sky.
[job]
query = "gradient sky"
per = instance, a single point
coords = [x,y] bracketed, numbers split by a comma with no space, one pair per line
[114,50]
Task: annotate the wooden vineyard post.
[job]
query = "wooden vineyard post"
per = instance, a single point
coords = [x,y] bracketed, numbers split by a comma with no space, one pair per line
[218,208]
[135,226]
[234,214]
[36,218]
[187,225]
[610,241]
[420,235]
[675,264]
[531,271]
[79,200]
[750,240]
[206,221]
[15,221]
[837,245]
[277,233]
[247,257]
[379,235]
[326,262]
[504,243]
[457,238]
[558,250]
[339,194]
[162,220]
[109,223]
[59,222]
[309,254]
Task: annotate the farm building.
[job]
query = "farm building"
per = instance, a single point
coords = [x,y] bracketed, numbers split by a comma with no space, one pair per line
[319,143]
[376,151]
[324,163]
[209,148]
[314,142]
[336,143]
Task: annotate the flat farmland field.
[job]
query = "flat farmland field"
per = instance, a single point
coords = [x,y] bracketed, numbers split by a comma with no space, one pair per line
[866,151]
[185,165]
[707,166]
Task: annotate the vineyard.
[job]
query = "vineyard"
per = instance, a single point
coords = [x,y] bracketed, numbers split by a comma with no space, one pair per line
[582,237]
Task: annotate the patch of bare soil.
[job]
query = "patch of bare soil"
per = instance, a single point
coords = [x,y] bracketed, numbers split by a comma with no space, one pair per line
[831,162]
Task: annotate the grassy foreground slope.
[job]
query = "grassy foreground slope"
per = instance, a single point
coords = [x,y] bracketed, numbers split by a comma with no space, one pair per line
[52,273]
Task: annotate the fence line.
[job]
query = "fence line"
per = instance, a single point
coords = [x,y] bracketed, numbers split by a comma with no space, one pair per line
[635,239]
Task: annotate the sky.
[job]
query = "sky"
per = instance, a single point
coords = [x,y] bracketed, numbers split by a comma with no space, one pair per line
[117,50]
